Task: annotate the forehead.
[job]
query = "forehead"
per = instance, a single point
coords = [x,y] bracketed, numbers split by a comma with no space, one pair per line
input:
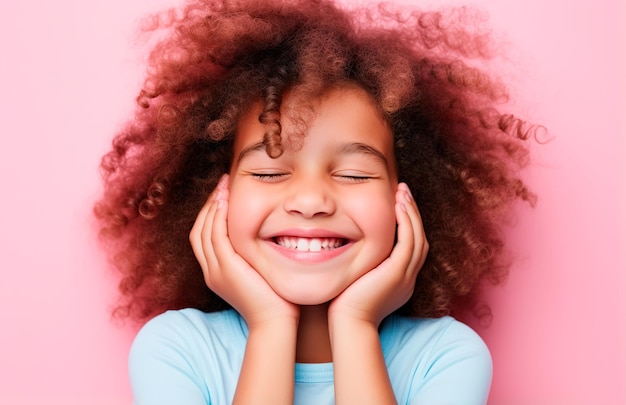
[340,115]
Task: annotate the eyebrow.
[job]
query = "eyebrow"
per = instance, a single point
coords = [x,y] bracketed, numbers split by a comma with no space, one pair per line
[344,149]
[362,148]
[259,146]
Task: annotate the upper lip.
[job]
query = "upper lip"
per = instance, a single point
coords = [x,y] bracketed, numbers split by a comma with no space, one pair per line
[308,233]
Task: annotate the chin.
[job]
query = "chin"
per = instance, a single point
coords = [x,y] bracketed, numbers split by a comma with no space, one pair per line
[309,299]
[306,295]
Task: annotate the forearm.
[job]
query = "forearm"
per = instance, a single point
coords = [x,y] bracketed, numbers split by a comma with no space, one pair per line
[267,372]
[360,372]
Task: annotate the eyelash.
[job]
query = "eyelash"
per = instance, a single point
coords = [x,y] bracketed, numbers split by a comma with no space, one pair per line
[356,179]
[271,177]
[268,176]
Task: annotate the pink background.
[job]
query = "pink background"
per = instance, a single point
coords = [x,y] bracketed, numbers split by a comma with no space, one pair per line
[68,73]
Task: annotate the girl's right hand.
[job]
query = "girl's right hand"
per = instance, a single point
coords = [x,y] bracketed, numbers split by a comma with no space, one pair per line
[267,370]
[228,274]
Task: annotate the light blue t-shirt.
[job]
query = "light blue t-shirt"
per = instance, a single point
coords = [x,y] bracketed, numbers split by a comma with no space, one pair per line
[189,357]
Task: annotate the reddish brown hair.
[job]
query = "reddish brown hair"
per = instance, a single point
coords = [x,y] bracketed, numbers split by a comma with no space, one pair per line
[454,149]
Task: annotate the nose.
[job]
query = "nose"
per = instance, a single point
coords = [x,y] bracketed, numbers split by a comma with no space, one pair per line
[310,198]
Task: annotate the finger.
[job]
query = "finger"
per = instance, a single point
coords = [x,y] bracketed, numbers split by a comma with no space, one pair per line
[403,251]
[201,218]
[420,249]
[200,235]
[219,228]
[196,234]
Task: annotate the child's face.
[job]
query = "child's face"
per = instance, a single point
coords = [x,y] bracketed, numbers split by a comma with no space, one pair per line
[314,220]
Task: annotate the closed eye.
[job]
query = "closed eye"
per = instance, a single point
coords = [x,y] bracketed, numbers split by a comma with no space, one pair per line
[269,177]
[355,178]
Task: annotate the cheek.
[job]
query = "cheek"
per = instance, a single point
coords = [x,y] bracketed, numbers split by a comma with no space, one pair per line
[242,219]
[377,219]
[385,226]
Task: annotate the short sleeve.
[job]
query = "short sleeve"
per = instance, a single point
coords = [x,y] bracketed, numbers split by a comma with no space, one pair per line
[459,370]
[160,368]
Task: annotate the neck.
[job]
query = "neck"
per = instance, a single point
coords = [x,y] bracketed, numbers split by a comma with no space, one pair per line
[313,344]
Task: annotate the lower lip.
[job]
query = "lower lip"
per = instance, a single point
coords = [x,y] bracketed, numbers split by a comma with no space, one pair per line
[309,257]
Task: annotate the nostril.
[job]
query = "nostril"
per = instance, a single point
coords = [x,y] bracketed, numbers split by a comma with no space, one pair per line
[309,207]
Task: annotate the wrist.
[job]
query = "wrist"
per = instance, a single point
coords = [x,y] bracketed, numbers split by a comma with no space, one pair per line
[276,322]
[352,317]
[345,325]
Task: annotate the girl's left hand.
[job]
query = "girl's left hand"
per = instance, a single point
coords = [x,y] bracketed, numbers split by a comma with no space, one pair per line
[387,287]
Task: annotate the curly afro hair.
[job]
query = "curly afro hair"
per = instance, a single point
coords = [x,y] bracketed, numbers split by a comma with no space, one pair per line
[459,154]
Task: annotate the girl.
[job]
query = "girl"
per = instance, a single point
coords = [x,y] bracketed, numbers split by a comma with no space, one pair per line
[279,157]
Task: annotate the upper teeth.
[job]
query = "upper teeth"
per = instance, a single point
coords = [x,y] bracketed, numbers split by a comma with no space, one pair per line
[308,244]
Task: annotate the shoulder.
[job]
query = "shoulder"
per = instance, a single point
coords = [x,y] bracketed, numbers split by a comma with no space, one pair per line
[183,351]
[188,327]
[185,333]
[189,323]
[434,333]
[437,354]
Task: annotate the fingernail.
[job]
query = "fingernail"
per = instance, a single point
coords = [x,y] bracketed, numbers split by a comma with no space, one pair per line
[223,181]
[408,191]
[405,187]
[407,196]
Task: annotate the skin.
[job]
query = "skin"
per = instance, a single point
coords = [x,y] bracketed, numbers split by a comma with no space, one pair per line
[319,305]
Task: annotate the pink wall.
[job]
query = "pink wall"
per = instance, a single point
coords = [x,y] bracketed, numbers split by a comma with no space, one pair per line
[68,73]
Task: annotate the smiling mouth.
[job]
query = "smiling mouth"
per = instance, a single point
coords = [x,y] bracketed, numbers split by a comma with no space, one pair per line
[309,244]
